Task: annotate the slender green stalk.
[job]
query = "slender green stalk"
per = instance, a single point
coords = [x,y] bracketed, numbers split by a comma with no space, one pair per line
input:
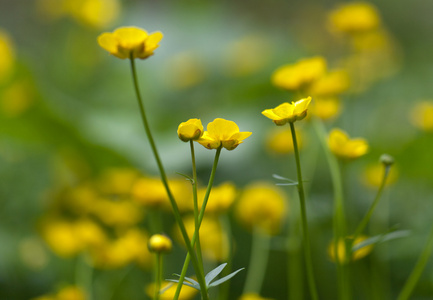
[258,261]
[418,269]
[158,274]
[84,275]
[178,218]
[304,223]
[200,219]
[339,222]
[224,289]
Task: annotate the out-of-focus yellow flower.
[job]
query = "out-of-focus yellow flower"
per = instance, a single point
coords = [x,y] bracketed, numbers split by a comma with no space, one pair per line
[299,75]
[345,147]
[354,18]
[7,56]
[373,175]
[252,296]
[151,193]
[342,257]
[93,13]
[222,133]
[220,198]
[117,181]
[422,115]
[169,288]
[190,130]
[130,246]
[33,253]
[160,243]
[16,98]
[326,108]
[184,70]
[69,292]
[288,112]
[331,84]
[130,42]
[213,240]
[117,213]
[262,205]
[279,140]
[241,61]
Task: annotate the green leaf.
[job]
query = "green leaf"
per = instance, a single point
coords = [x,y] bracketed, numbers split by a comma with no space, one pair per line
[214,273]
[224,279]
[186,176]
[381,238]
[192,281]
[185,283]
[283,178]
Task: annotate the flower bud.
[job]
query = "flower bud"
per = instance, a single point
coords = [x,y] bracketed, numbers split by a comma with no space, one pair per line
[190,130]
[386,159]
[160,243]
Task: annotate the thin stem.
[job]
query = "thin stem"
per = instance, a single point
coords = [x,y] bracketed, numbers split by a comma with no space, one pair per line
[158,273]
[339,222]
[307,248]
[258,261]
[200,219]
[178,218]
[84,275]
[418,269]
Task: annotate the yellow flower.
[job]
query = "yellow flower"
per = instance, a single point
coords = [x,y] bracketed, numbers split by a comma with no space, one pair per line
[299,75]
[130,42]
[118,181]
[422,115]
[160,243]
[190,130]
[331,84]
[214,240]
[262,205]
[280,141]
[7,56]
[373,175]
[344,147]
[341,252]
[288,112]
[122,212]
[252,296]
[220,198]
[222,133]
[354,18]
[326,108]
[71,293]
[169,288]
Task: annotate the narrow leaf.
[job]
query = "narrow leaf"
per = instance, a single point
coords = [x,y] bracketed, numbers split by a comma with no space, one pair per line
[224,279]
[282,178]
[291,183]
[214,273]
[381,238]
[186,176]
[184,283]
[192,281]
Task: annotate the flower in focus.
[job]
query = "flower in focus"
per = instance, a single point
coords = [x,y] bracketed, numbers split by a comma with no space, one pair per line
[288,112]
[422,116]
[262,205]
[344,147]
[220,198]
[190,130]
[214,240]
[354,17]
[341,251]
[160,243]
[7,56]
[326,108]
[280,141]
[222,133]
[169,288]
[252,296]
[299,75]
[130,42]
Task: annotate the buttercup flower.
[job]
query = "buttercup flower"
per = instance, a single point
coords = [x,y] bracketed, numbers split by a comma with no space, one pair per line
[160,243]
[341,251]
[190,130]
[299,75]
[223,133]
[422,116]
[288,112]
[344,147]
[354,18]
[326,108]
[169,288]
[279,140]
[126,42]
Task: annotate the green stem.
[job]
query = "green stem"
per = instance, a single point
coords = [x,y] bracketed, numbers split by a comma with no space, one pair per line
[304,223]
[84,275]
[418,269]
[200,219]
[178,218]
[158,274]
[258,261]
[339,222]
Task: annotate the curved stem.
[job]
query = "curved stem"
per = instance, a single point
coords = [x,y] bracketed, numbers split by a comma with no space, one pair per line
[200,275]
[304,223]
[158,273]
[199,220]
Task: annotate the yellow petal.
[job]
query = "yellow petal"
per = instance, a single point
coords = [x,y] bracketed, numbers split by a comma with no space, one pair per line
[108,41]
[222,129]
[130,37]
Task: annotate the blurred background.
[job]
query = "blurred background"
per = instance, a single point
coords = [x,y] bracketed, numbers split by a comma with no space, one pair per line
[71,134]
